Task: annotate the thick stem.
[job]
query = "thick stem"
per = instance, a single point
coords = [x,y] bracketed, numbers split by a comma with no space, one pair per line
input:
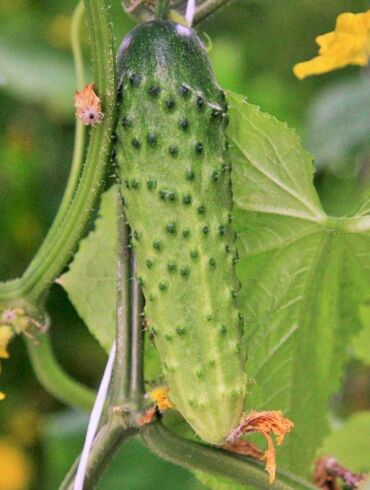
[111,437]
[207,8]
[61,241]
[54,379]
[197,457]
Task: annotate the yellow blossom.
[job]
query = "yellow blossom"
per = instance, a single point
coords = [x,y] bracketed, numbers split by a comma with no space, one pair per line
[349,44]
[15,469]
[6,333]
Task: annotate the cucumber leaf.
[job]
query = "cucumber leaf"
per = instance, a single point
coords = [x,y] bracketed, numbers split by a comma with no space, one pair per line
[303,274]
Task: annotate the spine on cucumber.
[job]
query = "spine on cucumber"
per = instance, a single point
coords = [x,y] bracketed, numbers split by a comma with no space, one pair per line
[175,180]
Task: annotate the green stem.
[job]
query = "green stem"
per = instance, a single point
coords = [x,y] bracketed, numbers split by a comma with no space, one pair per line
[197,457]
[121,371]
[162,8]
[137,339]
[207,8]
[54,379]
[111,437]
[61,241]
[80,133]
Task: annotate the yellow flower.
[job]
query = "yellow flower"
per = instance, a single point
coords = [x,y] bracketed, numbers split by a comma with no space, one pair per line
[349,44]
[15,469]
[6,333]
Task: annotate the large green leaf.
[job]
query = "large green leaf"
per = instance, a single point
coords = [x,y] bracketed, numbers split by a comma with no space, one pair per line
[303,278]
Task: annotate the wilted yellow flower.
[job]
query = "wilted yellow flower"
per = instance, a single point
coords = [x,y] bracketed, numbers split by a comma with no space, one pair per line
[349,44]
[160,397]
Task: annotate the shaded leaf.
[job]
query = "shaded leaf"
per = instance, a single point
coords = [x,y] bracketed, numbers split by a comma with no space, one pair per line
[91,279]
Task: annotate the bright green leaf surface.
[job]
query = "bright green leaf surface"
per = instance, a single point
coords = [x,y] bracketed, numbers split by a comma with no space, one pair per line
[351,443]
[303,277]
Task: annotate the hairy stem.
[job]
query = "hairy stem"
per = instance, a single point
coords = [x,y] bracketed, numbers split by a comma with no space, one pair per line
[61,241]
[197,457]
[54,379]
[121,373]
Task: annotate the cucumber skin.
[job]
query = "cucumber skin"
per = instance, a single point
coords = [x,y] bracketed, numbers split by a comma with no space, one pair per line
[175,181]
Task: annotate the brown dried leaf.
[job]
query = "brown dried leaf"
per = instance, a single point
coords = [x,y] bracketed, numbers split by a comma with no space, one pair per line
[88,106]
[266,423]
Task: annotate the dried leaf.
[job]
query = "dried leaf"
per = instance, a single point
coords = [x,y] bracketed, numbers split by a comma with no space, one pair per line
[266,423]
[88,106]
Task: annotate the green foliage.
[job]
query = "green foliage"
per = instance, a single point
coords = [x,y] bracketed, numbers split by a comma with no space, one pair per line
[304,276]
[40,76]
[350,444]
[339,125]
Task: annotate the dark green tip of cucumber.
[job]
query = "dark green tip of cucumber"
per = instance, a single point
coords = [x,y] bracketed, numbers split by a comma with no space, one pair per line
[199,148]
[136,143]
[201,209]
[181,330]
[212,262]
[166,41]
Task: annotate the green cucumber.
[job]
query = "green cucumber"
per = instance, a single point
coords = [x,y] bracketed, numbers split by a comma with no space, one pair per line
[175,181]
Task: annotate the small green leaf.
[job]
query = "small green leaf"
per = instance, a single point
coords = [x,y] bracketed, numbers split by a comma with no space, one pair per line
[303,274]
[91,279]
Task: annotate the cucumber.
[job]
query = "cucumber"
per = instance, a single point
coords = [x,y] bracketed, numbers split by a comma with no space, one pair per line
[175,181]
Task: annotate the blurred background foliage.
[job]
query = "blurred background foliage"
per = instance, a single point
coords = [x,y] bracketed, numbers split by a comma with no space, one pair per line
[254,47]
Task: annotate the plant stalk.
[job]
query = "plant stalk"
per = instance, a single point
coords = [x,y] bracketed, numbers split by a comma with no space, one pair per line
[54,379]
[196,457]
